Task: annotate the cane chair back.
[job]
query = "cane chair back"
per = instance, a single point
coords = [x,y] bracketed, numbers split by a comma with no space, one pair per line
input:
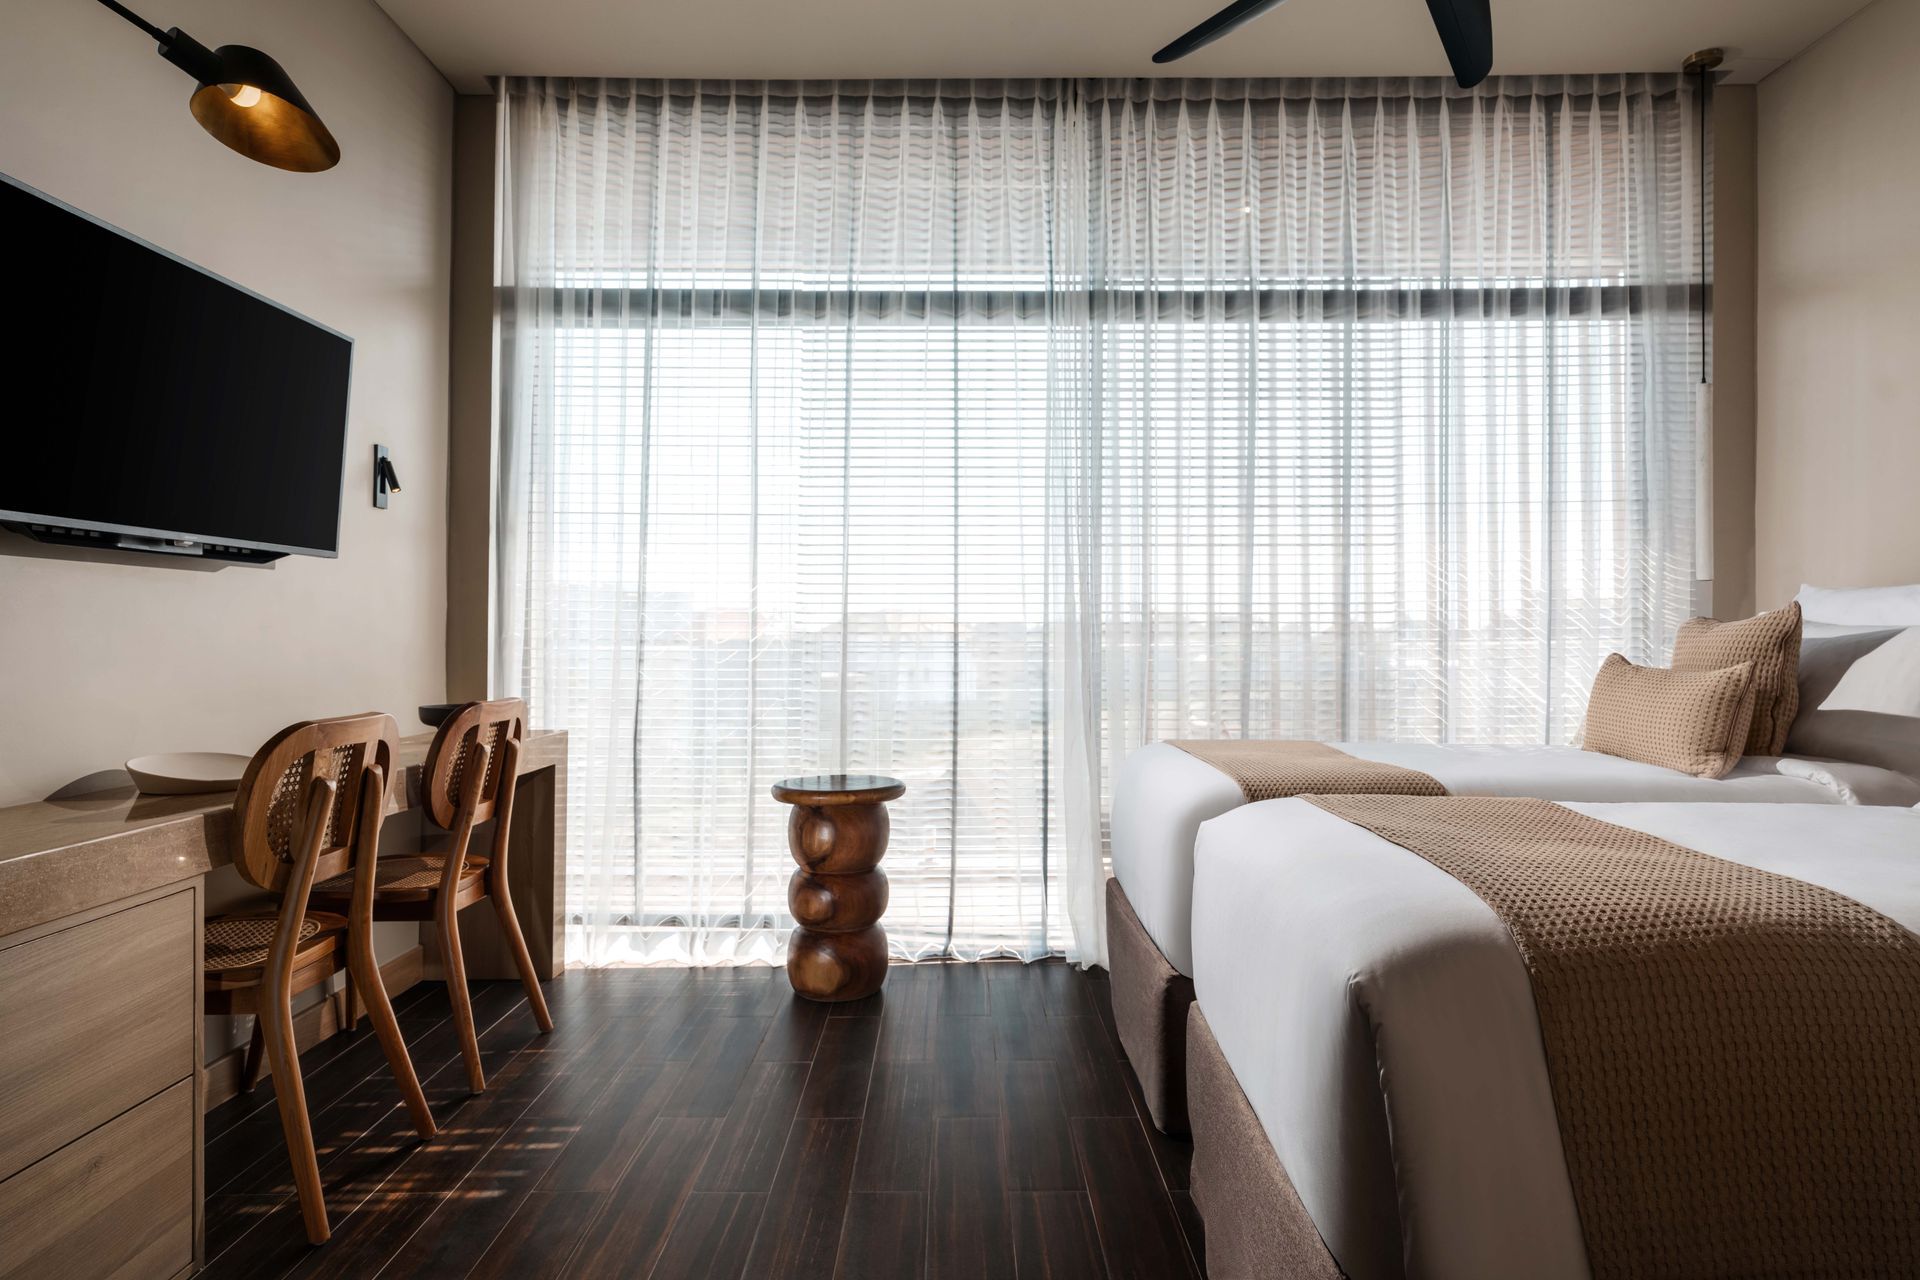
[268,808]
[492,725]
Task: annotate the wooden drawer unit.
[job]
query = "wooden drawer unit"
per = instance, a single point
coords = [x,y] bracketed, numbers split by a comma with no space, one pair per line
[117,1203]
[95,1019]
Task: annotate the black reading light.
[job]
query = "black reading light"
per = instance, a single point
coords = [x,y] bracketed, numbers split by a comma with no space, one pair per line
[385,479]
[246,100]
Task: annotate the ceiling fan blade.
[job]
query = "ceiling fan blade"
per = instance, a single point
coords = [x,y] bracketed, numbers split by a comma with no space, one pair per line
[1466,32]
[1218,25]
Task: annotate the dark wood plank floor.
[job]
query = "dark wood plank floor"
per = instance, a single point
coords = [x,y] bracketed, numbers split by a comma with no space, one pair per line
[969,1121]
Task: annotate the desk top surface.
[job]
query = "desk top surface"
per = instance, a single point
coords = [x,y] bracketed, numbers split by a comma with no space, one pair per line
[41,826]
[107,830]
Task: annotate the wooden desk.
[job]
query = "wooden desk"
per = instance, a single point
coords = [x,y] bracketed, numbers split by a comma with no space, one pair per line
[101,1079]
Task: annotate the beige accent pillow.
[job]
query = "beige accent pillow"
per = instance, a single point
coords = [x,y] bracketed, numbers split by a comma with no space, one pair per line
[1692,721]
[1771,642]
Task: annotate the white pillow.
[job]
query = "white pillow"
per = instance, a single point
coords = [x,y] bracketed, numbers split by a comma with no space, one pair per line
[1860,699]
[1862,606]
[1828,630]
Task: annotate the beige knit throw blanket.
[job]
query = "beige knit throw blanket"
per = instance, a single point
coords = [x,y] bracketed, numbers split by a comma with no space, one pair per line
[1735,1055]
[1271,770]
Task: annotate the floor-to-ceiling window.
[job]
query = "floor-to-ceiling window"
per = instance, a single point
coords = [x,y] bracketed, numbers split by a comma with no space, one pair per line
[975,433]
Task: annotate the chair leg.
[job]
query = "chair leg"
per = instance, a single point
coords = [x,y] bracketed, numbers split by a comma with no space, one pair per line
[370,991]
[255,1059]
[276,1031]
[510,926]
[447,925]
[349,1005]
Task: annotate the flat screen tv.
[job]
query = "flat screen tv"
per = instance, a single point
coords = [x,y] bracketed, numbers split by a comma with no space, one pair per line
[153,406]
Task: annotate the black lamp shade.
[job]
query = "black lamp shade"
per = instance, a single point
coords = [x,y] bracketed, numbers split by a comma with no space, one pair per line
[248,102]
[1466,32]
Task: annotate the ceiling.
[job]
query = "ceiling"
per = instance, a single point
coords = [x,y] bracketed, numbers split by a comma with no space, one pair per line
[785,39]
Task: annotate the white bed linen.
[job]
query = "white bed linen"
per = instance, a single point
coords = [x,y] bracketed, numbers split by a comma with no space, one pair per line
[1380,1022]
[1162,795]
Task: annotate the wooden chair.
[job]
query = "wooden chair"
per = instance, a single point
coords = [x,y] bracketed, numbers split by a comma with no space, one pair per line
[471,774]
[309,807]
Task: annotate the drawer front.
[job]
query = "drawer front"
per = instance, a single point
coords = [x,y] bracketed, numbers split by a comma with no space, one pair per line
[94,1020]
[118,1203]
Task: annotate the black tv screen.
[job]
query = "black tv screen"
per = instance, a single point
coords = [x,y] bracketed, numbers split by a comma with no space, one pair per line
[152,404]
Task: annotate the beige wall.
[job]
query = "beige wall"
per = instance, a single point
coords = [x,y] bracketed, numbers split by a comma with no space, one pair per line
[106,657]
[1839,309]
[1734,268]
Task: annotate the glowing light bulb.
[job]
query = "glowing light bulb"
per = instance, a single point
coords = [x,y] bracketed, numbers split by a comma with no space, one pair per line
[245,95]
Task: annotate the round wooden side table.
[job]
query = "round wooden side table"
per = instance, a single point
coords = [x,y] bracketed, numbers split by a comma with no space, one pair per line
[838,833]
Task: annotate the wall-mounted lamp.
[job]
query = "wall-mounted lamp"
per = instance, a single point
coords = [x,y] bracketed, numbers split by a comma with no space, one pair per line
[246,100]
[385,479]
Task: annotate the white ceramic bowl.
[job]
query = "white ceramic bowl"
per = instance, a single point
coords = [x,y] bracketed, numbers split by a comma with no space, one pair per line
[187,773]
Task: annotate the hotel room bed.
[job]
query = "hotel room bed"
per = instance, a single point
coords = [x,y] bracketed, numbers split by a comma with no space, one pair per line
[1163,794]
[1369,1083]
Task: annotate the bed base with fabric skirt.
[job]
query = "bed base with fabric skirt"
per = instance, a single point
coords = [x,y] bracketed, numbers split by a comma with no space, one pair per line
[1150,1002]
[1256,1227]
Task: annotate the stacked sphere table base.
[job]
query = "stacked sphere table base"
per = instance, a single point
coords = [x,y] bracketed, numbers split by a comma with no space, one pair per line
[838,834]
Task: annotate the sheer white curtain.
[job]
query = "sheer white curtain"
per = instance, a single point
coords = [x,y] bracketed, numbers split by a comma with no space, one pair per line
[978,432]
[1394,431]
[779,384]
